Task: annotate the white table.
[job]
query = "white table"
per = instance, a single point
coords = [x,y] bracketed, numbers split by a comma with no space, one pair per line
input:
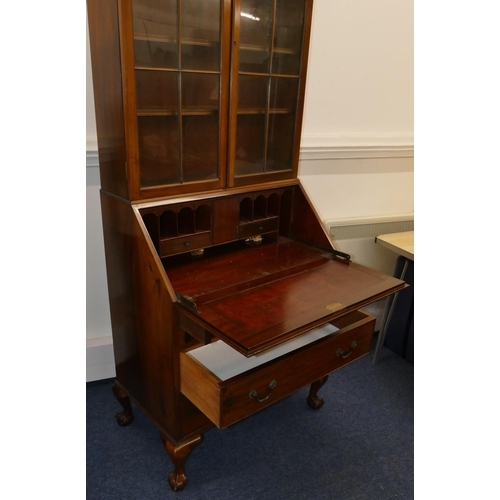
[402,244]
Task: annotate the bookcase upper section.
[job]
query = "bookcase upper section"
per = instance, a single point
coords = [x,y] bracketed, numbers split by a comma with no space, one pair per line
[197,95]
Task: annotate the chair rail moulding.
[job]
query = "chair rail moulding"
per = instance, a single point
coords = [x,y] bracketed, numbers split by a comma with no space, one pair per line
[330,147]
[92,155]
[92,159]
[356,146]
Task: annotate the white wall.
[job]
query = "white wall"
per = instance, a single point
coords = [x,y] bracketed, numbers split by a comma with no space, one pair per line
[91,128]
[357,138]
[360,80]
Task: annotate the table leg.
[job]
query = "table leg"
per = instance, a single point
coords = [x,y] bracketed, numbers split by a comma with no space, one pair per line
[178,454]
[389,309]
[313,400]
[126,417]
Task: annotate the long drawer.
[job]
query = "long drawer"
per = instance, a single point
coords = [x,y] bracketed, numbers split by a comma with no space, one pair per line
[225,394]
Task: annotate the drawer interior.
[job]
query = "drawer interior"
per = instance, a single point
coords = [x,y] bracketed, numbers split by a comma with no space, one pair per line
[225,362]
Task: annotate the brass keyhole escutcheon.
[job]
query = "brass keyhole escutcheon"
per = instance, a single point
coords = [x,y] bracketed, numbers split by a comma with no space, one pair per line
[335,306]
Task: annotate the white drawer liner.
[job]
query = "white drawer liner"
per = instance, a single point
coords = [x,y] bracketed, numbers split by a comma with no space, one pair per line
[225,362]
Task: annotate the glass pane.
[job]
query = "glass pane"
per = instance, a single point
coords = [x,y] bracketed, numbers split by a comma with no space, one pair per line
[252,93]
[158,150]
[283,95]
[200,126]
[256,23]
[200,145]
[155,33]
[288,37]
[251,124]
[250,143]
[280,139]
[200,34]
[200,93]
[156,91]
[280,142]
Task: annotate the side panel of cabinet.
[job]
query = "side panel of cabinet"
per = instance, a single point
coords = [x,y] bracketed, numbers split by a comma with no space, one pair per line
[144,322]
[306,224]
[108,96]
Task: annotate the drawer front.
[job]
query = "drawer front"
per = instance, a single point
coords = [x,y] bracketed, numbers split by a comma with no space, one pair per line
[226,402]
[184,244]
[258,227]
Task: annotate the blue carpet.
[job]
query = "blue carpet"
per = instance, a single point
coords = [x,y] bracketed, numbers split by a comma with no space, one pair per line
[359,445]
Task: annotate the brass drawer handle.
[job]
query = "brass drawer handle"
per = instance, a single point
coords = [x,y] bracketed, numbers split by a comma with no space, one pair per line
[342,354]
[253,393]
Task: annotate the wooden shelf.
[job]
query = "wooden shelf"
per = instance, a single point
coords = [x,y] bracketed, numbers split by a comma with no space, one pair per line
[173,112]
[275,50]
[139,37]
[262,111]
[156,112]
[199,111]
[278,75]
[176,70]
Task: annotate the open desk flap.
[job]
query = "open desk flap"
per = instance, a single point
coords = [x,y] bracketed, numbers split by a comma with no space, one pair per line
[255,298]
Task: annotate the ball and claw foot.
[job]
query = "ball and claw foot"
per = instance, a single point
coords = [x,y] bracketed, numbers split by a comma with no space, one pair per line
[125,417]
[313,400]
[177,481]
[179,454]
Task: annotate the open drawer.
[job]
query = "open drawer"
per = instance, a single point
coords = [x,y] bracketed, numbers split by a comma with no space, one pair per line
[227,386]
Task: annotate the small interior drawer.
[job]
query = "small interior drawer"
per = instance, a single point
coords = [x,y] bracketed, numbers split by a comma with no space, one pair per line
[249,229]
[227,387]
[173,246]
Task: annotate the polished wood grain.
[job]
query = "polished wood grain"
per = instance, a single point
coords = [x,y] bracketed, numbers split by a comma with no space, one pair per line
[244,298]
[237,267]
[306,224]
[185,244]
[226,219]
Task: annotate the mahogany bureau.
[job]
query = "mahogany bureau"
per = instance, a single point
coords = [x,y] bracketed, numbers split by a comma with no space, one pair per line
[226,294]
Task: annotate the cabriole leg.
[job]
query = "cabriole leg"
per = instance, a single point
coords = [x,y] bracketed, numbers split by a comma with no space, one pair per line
[313,400]
[125,417]
[178,454]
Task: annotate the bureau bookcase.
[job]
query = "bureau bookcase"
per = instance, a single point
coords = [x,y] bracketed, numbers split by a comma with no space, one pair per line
[226,294]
